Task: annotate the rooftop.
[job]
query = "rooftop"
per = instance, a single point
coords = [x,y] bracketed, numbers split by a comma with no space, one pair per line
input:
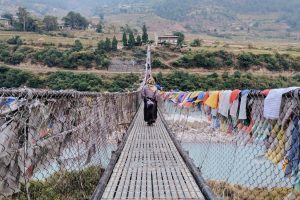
[1,18]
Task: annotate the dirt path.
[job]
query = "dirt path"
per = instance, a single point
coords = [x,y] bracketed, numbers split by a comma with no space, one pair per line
[169,62]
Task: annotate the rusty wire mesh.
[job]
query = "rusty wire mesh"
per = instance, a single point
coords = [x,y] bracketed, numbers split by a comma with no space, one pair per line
[56,144]
[241,153]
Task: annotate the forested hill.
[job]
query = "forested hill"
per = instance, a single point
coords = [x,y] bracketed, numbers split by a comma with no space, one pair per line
[195,15]
[282,10]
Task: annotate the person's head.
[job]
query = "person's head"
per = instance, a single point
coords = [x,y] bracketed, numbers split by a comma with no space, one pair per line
[151,81]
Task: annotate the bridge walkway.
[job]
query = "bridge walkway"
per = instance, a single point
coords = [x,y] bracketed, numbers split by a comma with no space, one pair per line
[150,167]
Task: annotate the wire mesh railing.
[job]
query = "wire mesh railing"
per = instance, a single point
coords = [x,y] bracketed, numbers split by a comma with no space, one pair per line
[245,143]
[56,144]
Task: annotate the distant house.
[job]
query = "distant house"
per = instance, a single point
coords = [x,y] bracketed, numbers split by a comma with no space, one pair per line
[124,8]
[63,27]
[61,24]
[4,23]
[167,39]
[92,27]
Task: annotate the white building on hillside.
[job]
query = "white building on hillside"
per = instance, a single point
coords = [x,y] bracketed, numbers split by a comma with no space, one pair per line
[167,39]
[4,23]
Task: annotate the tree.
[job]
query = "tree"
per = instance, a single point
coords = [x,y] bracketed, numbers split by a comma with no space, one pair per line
[113,28]
[99,28]
[34,24]
[8,16]
[131,41]
[50,23]
[77,46]
[105,63]
[145,34]
[138,40]
[197,43]
[104,46]
[114,44]
[126,29]
[135,31]
[75,21]
[107,45]
[101,47]
[124,39]
[180,38]
[27,22]
[101,15]
[23,17]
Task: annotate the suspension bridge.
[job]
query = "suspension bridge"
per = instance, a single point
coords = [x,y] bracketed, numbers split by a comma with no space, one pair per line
[149,165]
[85,145]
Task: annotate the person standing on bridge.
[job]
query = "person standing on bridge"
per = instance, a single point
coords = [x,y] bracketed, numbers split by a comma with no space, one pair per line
[149,95]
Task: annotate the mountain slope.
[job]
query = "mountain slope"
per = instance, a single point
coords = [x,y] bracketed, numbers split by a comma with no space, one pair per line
[268,18]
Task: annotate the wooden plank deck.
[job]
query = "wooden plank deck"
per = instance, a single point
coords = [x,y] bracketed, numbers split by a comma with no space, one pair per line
[150,167]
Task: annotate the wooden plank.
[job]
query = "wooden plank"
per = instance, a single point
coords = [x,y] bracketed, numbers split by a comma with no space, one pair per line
[138,184]
[132,184]
[161,187]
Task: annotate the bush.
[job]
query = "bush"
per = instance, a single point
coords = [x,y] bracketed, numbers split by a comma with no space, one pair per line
[15,58]
[104,46]
[226,57]
[64,185]
[296,64]
[80,82]
[269,61]
[77,46]
[247,60]
[25,50]
[50,57]
[4,52]
[297,77]
[206,59]
[54,57]
[66,34]
[16,40]
[67,80]
[48,44]
[196,43]
[12,78]
[123,83]
[82,58]
[191,82]
[13,55]
[105,63]
[139,55]
[285,61]
[156,63]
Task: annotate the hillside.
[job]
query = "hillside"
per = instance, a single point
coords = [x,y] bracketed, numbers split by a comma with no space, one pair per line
[270,18]
[221,18]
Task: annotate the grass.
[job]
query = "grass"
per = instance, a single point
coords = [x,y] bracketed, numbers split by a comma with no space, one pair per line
[88,37]
[237,192]
[62,185]
[242,44]
[257,48]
